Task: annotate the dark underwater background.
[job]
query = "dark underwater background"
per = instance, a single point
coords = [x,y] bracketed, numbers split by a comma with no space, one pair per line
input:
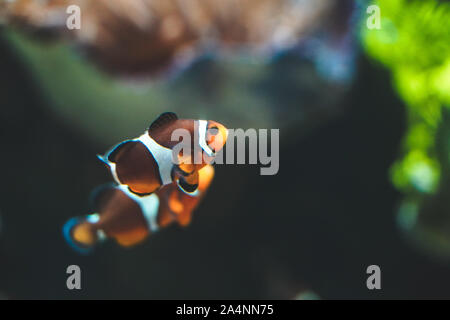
[309,231]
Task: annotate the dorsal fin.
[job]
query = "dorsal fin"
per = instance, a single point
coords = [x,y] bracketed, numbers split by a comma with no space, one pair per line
[163,119]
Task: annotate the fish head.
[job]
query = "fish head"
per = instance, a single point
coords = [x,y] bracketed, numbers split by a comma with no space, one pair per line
[216,136]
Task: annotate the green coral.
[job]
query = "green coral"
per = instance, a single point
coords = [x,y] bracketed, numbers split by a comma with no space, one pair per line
[414,43]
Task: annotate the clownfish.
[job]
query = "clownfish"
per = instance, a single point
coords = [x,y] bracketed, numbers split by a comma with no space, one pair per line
[146,163]
[129,219]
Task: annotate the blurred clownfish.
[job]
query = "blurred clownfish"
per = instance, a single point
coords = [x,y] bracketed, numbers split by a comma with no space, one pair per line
[145,164]
[129,219]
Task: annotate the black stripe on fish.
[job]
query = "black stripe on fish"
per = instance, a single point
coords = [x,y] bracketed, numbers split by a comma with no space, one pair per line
[173,174]
[189,188]
[139,194]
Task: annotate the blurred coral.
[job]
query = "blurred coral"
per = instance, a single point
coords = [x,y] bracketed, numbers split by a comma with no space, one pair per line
[147,36]
[413,43]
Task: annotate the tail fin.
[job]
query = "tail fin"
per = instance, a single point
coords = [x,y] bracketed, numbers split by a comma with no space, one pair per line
[80,235]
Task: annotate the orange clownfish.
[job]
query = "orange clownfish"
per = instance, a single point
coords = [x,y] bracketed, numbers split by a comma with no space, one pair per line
[129,218]
[146,163]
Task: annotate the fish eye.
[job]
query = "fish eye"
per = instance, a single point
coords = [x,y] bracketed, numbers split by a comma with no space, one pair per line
[213,130]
